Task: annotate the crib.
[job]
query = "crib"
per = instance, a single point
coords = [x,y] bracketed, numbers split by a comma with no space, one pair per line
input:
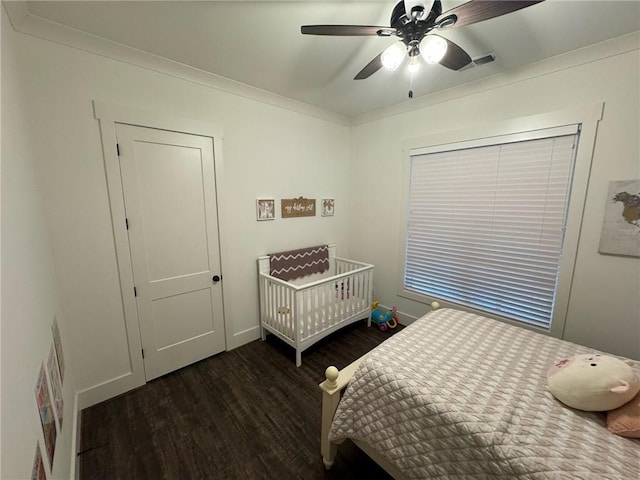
[305,308]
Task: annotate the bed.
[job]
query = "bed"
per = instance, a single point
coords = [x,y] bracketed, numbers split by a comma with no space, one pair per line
[458,395]
[309,293]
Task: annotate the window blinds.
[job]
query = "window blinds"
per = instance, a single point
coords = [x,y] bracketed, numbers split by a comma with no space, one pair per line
[486,224]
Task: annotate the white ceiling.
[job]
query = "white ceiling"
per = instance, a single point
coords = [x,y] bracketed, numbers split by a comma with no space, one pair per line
[259,43]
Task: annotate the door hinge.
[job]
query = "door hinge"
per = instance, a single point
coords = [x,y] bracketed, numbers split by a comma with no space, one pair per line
[118,148]
[143,353]
[126,222]
[135,292]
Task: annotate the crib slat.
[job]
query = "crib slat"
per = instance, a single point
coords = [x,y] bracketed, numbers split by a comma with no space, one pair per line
[309,318]
[289,319]
[271,301]
[353,289]
[308,313]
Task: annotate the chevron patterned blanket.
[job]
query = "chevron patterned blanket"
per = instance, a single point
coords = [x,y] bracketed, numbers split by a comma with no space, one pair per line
[299,263]
[457,395]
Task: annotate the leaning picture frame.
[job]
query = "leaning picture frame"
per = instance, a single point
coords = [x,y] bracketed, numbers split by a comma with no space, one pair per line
[265,209]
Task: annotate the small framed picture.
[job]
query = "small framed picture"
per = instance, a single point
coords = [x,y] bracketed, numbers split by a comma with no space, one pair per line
[328,205]
[265,209]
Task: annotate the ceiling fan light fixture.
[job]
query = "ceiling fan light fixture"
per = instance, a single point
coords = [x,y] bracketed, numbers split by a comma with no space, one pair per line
[393,56]
[433,48]
[414,65]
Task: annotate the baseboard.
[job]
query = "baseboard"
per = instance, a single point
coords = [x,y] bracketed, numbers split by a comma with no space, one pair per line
[129,381]
[403,318]
[109,389]
[244,337]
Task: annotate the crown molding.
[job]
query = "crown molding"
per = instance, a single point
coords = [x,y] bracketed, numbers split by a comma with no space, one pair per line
[24,22]
[16,11]
[599,51]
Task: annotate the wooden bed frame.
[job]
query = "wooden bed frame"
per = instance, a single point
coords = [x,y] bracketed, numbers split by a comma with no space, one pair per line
[332,388]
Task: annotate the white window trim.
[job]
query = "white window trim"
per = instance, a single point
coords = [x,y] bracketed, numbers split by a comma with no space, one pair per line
[587,118]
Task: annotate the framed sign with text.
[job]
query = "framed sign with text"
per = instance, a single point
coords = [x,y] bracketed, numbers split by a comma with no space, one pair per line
[298,207]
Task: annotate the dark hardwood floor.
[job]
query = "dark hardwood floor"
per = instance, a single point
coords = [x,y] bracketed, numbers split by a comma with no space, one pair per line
[244,414]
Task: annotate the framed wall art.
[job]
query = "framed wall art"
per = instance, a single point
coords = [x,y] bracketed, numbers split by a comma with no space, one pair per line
[265,209]
[298,207]
[56,386]
[57,342]
[621,226]
[47,418]
[37,471]
[328,205]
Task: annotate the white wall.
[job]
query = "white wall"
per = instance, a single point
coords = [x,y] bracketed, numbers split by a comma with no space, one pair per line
[53,175]
[267,151]
[604,308]
[29,297]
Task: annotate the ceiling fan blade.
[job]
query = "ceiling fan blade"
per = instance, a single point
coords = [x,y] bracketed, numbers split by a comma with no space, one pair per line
[372,67]
[346,30]
[455,58]
[476,11]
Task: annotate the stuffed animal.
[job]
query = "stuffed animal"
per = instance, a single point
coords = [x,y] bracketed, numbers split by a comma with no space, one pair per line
[593,382]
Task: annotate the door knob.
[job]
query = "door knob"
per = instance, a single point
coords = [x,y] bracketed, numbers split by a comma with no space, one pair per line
[216,278]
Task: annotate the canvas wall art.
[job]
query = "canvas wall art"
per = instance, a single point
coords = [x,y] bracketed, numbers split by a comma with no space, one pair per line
[56,386]
[621,227]
[37,471]
[328,207]
[57,341]
[265,209]
[47,419]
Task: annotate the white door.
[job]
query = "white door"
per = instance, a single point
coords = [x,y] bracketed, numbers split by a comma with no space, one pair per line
[168,180]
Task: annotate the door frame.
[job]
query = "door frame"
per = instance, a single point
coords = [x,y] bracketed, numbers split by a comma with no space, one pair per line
[108,115]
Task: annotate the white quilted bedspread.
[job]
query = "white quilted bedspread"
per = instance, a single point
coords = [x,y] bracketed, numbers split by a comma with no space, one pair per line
[457,395]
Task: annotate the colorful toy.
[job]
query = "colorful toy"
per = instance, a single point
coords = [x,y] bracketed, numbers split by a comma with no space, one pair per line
[385,319]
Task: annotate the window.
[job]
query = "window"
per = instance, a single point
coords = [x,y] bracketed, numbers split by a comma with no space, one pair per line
[486,222]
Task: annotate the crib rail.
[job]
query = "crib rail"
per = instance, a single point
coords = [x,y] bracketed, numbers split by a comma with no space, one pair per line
[303,314]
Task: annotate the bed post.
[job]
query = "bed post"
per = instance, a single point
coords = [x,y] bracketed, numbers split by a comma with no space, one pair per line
[330,400]
[336,381]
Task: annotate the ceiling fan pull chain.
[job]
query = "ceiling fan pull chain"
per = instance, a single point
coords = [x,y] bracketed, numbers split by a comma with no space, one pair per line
[411,85]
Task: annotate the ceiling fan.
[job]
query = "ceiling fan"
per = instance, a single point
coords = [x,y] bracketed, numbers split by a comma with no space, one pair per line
[413,23]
